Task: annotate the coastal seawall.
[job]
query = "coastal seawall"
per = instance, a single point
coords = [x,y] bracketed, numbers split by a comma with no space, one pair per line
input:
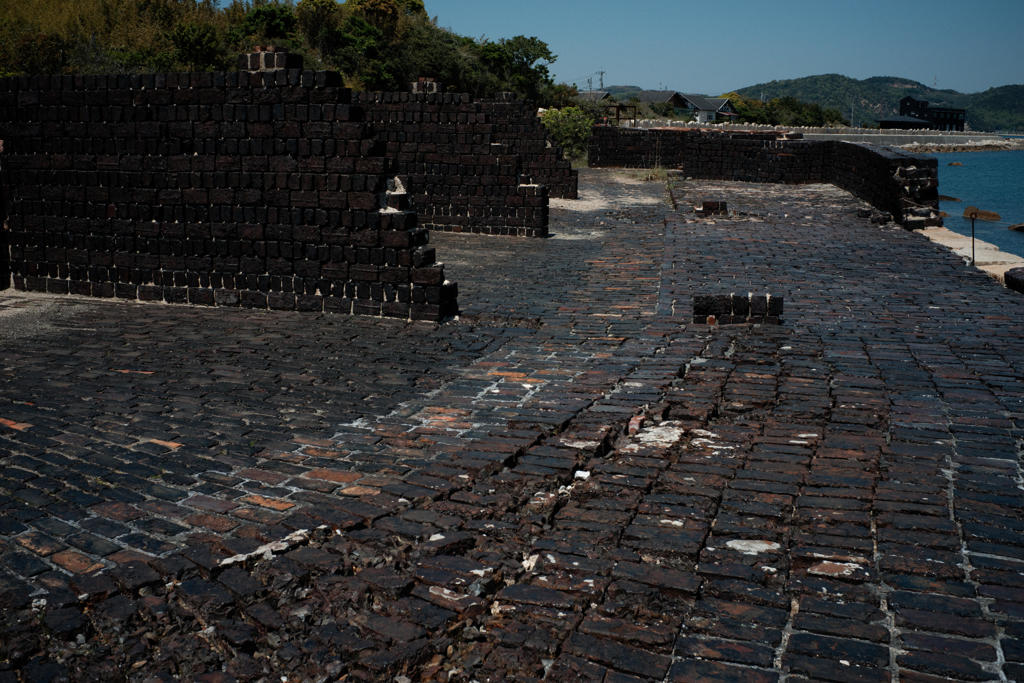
[902,184]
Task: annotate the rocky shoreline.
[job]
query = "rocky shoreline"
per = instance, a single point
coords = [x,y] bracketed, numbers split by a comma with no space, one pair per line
[1005,146]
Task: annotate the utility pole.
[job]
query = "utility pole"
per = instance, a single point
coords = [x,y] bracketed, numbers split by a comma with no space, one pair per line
[590,83]
[601,75]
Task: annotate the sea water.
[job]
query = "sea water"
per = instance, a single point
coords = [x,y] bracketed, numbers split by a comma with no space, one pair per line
[992,181]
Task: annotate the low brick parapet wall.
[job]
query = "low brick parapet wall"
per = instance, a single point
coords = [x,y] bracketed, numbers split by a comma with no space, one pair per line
[902,184]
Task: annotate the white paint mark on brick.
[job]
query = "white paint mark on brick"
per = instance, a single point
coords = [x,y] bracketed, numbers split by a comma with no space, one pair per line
[752,547]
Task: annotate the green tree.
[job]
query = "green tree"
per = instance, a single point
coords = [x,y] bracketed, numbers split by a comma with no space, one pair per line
[266,23]
[520,64]
[377,44]
[318,22]
[383,14]
[38,53]
[357,49]
[427,50]
[412,7]
[570,129]
[198,46]
[559,95]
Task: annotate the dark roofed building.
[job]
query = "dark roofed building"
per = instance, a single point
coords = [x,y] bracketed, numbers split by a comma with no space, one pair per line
[708,109]
[658,97]
[703,109]
[938,118]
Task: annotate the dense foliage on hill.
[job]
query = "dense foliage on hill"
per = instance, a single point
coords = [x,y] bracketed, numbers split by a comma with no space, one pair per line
[874,98]
[376,44]
[863,102]
[784,111]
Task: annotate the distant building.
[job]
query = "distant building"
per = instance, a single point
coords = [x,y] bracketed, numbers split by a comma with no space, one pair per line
[703,109]
[937,118]
[904,123]
[708,109]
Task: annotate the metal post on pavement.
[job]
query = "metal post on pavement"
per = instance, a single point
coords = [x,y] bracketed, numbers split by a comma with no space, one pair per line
[974,213]
[972,240]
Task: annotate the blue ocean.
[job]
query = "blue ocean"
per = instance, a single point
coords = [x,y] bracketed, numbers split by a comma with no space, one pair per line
[993,181]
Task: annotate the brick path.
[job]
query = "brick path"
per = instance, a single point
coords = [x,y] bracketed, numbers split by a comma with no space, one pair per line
[571,481]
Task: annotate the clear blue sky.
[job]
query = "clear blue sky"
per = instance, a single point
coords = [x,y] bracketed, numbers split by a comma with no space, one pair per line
[716,46]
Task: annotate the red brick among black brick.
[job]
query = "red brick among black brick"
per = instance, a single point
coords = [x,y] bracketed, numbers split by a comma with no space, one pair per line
[896,182]
[253,189]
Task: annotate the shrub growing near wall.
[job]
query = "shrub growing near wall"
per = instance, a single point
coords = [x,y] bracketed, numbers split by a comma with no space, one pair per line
[570,129]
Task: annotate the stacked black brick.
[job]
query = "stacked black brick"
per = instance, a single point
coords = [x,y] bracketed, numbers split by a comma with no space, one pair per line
[899,183]
[5,262]
[515,124]
[472,166]
[251,189]
[729,309]
[896,182]
[676,147]
[1014,279]
[458,179]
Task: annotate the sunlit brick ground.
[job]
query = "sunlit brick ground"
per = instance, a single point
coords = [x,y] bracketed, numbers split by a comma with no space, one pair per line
[572,480]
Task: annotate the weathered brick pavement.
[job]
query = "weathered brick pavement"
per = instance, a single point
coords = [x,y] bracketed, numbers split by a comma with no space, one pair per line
[572,481]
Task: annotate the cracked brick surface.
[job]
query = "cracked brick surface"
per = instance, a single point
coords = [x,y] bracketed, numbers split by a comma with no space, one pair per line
[573,481]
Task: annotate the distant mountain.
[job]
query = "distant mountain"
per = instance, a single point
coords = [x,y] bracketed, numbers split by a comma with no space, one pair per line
[996,109]
[622,92]
[873,98]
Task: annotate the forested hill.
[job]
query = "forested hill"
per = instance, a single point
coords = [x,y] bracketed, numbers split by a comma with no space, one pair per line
[375,44]
[996,109]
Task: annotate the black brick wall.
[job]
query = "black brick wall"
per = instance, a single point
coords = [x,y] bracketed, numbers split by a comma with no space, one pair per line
[516,125]
[5,262]
[251,189]
[471,166]
[896,182]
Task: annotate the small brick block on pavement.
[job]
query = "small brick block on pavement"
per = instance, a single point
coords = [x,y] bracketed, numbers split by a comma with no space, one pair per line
[1014,279]
[732,309]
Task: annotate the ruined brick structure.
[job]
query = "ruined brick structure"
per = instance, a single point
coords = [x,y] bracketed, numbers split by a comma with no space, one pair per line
[902,184]
[515,124]
[471,166]
[5,262]
[259,189]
